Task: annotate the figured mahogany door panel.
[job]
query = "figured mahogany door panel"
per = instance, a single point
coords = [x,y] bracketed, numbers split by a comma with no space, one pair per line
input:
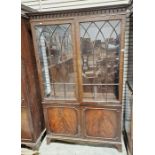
[102,123]
[63,120]
[25,128]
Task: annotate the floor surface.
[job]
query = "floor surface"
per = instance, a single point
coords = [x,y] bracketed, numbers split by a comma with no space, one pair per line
[56,148]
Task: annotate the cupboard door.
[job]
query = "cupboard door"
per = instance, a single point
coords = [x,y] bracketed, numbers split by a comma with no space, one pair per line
[63,120]
[102,123]
[25,125]
[56,57]
[100,55]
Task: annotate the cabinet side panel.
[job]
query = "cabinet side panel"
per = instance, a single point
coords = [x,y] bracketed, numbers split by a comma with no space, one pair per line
[31,77]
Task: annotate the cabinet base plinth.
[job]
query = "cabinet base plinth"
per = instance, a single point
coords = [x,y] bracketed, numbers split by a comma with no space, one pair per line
[94,142]
[34,145]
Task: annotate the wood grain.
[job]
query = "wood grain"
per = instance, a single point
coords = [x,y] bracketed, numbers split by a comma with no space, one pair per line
[25,128]
[63,120]
[101,123]
[32,120]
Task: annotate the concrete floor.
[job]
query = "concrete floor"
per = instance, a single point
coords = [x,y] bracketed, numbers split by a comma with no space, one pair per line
[55,148]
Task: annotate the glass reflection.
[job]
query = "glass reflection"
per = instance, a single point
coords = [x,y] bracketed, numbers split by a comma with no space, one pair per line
[56,57]
[100,47]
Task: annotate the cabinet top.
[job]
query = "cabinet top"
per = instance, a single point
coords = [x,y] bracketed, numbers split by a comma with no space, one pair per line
[80,12]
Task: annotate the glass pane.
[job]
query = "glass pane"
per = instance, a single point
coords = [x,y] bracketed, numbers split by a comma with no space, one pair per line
[56,57]
[112,72]
[100,47]
[70,90]
[112,93]
[94,92]
[113,42]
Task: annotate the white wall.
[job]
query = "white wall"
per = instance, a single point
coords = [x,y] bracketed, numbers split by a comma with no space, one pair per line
[53,5]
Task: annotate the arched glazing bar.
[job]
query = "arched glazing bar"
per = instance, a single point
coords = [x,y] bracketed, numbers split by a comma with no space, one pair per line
[99,35]
[86,29]
[114,30]
[55,45]
[64,36]
[99,31]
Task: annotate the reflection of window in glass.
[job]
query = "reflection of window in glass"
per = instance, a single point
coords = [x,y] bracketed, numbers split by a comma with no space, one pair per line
[100,46]
[56,57]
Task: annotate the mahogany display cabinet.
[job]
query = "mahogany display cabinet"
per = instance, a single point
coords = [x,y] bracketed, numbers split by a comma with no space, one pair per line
[32,120]
[79,58]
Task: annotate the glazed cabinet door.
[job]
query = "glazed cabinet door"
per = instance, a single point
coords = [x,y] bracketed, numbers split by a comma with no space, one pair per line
[100,44]
[56,60]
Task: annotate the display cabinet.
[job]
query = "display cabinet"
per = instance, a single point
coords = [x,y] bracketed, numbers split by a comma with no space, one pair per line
[32,120]
[80,63]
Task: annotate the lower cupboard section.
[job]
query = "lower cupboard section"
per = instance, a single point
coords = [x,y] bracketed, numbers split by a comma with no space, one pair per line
[95,123]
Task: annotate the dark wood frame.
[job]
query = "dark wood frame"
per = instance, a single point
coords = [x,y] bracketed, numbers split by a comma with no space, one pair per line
[74,18]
